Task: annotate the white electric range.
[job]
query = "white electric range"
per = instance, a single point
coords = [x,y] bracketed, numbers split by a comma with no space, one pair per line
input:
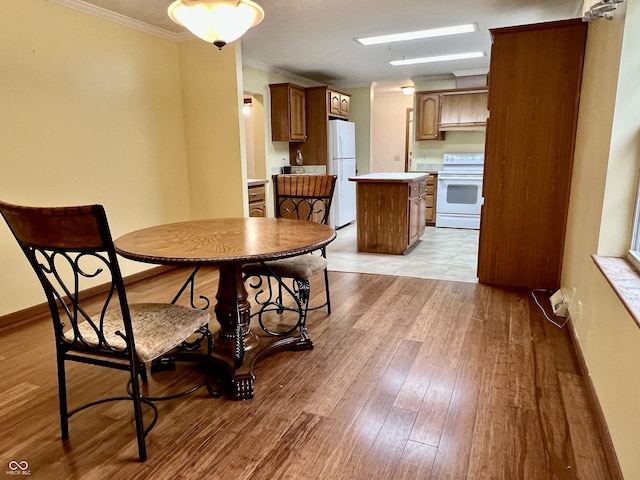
[459,198]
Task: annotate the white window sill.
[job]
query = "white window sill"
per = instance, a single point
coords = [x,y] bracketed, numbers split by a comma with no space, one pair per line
[625,281]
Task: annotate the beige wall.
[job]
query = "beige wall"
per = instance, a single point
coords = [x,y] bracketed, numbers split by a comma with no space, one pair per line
[93,113]
[389,114]
[607,161]
[431,151]
[212,108]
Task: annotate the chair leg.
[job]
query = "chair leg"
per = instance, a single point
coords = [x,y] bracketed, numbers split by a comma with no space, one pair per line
[304,295]
[280,299]
[326,290]
[208,365]
[62,399]
[143,373]
[137,410]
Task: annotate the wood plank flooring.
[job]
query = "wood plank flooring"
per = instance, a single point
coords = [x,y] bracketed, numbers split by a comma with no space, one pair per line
[409,379]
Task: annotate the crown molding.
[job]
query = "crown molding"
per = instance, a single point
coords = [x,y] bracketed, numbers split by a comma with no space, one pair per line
[122,20]
[160,32]
[270,68]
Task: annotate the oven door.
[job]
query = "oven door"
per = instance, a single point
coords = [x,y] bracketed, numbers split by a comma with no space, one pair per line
[459,200]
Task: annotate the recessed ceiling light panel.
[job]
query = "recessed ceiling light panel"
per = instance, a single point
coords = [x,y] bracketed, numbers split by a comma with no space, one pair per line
[432,32]
[439,58]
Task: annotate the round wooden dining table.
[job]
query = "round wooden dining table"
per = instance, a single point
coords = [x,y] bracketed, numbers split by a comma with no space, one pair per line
[228,243]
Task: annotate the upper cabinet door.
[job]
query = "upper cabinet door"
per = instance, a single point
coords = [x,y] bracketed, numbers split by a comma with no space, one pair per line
[338,104]
[298,124]
[428,116]
[288,117]
[344,105]
[334,103]
[463,110]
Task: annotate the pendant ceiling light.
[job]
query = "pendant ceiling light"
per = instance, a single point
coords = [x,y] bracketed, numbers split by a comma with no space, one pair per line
[216,21]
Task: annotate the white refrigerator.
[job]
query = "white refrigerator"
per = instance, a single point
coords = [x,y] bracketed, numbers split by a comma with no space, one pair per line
[342,162]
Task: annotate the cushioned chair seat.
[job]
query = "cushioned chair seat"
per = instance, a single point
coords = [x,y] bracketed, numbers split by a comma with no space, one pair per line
[301,267]
[157,328]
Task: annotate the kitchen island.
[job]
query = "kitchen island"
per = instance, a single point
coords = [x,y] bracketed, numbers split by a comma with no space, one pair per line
[390,211]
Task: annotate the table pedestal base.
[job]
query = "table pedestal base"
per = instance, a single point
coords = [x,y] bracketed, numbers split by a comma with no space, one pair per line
[236,348]
[240,379]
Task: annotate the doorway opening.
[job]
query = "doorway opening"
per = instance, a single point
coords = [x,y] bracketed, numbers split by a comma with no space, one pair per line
[254,127]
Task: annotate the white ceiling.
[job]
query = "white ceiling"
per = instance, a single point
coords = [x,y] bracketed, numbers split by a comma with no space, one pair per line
[315,38]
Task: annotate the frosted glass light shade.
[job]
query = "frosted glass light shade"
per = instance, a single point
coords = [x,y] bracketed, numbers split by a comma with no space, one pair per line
[216,21]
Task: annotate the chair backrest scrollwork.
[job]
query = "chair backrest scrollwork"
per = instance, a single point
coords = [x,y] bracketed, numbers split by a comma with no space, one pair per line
[305,197]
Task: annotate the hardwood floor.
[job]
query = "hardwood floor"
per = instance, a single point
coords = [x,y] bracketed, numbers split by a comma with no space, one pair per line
[409,379]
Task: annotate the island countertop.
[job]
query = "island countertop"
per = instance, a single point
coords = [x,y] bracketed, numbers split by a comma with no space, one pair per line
[391,177]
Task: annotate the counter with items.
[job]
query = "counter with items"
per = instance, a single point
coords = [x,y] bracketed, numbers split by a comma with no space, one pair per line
[257,197]
[390,211]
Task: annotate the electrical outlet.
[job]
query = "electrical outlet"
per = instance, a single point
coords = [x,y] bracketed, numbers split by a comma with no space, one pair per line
[558,304]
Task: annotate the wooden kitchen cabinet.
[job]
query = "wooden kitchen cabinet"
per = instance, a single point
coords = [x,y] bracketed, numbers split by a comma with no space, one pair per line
[417,209]
[318,101]
[534,90]
[288,115]
[257,198]
[390,211]
[339,104]
[461,110]
[457,109]
[427,116]
[430,199]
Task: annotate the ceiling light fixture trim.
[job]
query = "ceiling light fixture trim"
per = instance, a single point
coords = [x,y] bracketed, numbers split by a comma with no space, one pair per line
[216,21]
[418,34]
[438,58]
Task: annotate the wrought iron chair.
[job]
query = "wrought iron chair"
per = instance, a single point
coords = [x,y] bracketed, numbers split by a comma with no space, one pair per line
[70,247]
[284,285]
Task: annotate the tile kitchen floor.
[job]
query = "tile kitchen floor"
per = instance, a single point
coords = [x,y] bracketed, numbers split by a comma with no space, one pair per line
[441,253]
